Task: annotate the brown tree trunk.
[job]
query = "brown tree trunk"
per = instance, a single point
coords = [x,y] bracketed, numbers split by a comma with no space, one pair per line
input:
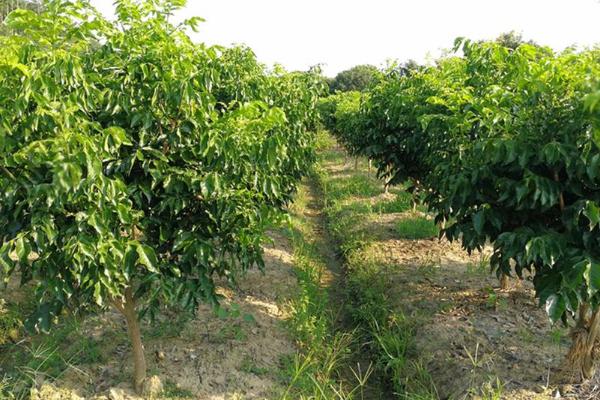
[581,354]
[127,308]
[386,182]
[504,281]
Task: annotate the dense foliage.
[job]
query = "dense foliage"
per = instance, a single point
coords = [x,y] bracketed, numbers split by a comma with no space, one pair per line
[503,142]
[338,113]
[358,78]
[6,6]
[135,165]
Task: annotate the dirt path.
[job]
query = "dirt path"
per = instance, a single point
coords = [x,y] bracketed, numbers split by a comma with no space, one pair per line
[334,282]
[333,277]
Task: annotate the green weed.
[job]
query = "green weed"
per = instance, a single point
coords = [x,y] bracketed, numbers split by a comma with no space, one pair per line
[351,186]
[11,322]
[48,357]
[386,335]
[417,228]
[492,391]
[402,202]
[312,373]
[249,365]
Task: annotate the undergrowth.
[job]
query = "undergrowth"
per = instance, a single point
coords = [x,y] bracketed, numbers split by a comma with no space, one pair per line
[315,372]
[386,334]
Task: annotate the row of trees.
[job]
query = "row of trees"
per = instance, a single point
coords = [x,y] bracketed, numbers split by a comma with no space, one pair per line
[135,165]
[505,143]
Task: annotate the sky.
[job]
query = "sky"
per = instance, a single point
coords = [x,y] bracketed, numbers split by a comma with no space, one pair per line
[339,34]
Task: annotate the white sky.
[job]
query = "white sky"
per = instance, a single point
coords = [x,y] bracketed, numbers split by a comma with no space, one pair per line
[342,33]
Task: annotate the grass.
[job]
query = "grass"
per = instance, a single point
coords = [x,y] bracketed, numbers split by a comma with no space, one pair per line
[400,203]
[49,356]
[313,373]
[352,200]
[250,366]
[11,322]
[352,186]
[416,227]
[492,390]
[481,268]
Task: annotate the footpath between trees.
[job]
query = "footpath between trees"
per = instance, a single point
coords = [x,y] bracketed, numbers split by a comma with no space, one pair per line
[431,319]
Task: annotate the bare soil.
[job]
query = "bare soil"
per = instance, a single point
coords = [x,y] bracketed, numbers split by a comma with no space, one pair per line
[469,333]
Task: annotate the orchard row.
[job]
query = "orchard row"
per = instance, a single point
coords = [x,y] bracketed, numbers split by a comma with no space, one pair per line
[503,145]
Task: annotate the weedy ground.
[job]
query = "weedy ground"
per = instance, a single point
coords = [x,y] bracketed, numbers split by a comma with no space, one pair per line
[358,300]
[433,319]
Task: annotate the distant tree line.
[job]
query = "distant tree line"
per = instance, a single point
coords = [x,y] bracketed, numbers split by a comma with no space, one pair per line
[361,77]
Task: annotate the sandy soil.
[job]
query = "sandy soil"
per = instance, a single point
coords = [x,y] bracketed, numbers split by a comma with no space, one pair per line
[469,332]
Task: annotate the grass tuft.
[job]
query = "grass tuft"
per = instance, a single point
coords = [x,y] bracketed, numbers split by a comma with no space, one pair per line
[417,227]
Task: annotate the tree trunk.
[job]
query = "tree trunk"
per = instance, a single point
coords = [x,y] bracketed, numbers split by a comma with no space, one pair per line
[370,166]
[581,354]
[127,308]
[504,281]
[441,227]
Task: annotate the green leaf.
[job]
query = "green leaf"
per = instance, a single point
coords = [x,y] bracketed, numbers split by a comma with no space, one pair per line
[555,307]
[222,313]
[115,137]
[130,259]
[147,257]
[23,249]
[98,294]
[479,221]
[7,264]
[592,212]
[124,214]
[249,318]
[95,222]
[592,277]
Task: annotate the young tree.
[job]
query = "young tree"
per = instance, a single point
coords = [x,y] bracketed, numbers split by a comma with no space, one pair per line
[124,181]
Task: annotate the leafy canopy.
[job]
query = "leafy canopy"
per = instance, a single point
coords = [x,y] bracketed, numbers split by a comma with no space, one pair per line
[505,141]
[133,158]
